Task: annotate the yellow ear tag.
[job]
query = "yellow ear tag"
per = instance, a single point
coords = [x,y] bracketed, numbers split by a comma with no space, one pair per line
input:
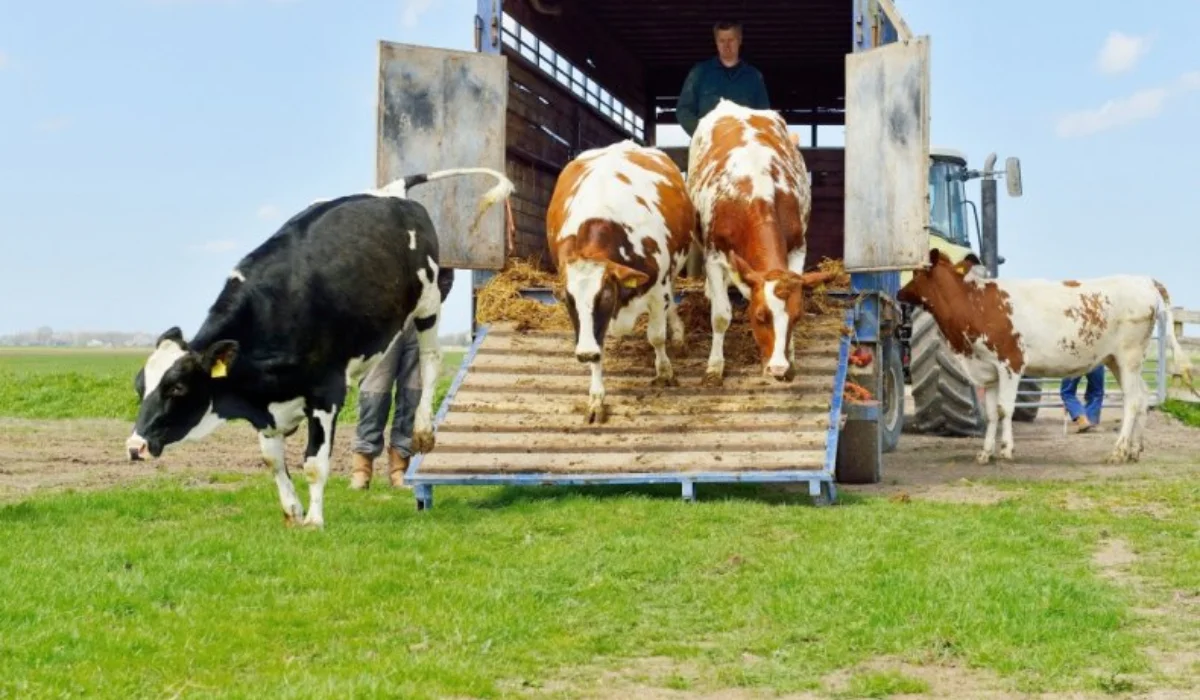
[219,369]
[630,282]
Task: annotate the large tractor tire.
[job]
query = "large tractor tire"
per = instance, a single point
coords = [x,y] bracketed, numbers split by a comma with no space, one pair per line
[1028,391]
[946,401]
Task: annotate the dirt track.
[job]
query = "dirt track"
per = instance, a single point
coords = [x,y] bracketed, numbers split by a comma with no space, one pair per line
[38,455]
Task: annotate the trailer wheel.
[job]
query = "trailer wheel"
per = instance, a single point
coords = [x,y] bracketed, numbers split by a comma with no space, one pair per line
[892,401]
[945,398]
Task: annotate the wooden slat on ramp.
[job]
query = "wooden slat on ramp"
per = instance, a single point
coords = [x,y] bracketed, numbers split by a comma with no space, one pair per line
[520,410]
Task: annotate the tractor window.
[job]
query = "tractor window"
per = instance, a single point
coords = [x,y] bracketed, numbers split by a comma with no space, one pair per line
[947,198]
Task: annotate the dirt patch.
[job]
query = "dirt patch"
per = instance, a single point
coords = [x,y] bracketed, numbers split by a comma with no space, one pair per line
[965,492]
[1042,453]
[89,454]
[652,678]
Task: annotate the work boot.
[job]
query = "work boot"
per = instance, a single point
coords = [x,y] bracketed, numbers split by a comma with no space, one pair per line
[1082,425]
[360,472]
[397,465]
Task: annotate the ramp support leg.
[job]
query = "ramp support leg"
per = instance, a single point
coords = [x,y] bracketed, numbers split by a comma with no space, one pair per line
[424,494]
[689,491]
[823,493]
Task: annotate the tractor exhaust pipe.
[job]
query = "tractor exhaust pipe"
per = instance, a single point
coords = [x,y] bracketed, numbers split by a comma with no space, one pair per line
[989,246]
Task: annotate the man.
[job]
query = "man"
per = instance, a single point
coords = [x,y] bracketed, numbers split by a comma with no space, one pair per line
[724,75]
[1084,418]
[399,367]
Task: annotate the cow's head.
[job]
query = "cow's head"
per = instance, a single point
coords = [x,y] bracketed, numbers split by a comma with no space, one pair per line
[939,283]
[776,303]
[175,392]
[596,288]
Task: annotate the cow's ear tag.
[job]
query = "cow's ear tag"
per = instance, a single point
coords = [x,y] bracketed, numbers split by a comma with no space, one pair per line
[630,282]
[219,369]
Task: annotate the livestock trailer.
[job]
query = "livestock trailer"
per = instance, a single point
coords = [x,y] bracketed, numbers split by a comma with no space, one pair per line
[547,81]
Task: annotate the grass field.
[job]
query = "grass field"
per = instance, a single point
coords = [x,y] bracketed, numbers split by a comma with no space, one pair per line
[189,587]
[78,383]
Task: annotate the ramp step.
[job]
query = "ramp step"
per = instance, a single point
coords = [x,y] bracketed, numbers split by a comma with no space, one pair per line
[469,399]
[501,423]
[566,365]
[734,387]
[448,463]
[566,442]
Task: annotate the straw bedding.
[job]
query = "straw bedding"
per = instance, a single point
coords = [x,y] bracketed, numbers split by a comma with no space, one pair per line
[500,301]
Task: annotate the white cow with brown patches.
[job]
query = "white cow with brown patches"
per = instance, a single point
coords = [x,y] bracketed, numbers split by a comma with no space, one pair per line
[1003,329]
[619,226]
[751,190]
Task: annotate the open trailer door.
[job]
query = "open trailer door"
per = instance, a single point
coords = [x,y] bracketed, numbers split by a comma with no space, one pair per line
[440,109]
[887,157]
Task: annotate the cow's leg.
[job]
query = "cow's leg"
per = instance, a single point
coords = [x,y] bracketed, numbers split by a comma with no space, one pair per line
[426,317]
[716,288]
[674,322]
[322,422]
[991,403]
[656,333]
[1127,371]
[1007,385]
[596,412]
[275,457]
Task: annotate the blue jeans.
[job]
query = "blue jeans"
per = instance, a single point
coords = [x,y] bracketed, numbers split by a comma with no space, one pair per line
[399,367]
[1094,395]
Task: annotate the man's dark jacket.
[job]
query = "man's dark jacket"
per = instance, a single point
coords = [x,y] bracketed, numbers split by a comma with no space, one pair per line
[709,81]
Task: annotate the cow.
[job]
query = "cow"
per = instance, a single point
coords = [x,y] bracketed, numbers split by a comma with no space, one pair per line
[750,186]
[1002,329]
[619,226]
[303,315]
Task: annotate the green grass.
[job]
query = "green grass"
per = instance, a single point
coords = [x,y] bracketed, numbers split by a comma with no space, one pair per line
[143,591]
[1188,413]
[83,383]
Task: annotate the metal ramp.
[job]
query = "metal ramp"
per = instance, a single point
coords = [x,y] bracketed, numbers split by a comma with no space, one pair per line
[514,415]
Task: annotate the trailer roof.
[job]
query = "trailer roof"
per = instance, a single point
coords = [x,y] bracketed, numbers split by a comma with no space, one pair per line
[800,47]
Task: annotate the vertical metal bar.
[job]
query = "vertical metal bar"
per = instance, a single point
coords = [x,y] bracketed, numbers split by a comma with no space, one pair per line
[814,137]
[1160,372]
[689,491]
[989,246]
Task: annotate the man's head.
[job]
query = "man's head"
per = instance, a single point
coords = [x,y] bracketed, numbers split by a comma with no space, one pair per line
[728,36]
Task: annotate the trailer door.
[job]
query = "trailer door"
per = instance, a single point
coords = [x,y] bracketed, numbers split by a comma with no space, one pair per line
[887,157]
[441,109]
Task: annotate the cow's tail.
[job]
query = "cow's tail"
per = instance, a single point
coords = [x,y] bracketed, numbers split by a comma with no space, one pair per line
[1182,364]
[503,189]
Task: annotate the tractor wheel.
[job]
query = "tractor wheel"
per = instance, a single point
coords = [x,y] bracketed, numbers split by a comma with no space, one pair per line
[1028,391]
[946,400]
[892,404]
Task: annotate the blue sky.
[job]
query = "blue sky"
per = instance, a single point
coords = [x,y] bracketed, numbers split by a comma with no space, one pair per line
[146,145]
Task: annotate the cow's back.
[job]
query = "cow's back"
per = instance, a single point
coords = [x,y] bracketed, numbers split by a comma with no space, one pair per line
[1061,322]
[337,280]
[638,189]
[742,165]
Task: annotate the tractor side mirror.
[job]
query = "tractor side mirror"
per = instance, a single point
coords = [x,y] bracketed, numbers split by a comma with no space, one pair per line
[1012,176]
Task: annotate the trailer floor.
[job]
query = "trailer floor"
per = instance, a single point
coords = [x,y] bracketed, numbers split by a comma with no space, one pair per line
[516,414]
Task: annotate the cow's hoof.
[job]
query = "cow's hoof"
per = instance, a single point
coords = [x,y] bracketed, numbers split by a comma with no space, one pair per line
[983,457]
[1006,454]
[663,380]
[713,380]
[596,413]
[422,441]
[311,523]
[293,518]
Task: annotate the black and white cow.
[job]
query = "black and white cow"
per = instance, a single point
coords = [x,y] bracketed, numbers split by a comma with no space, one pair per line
[306,313]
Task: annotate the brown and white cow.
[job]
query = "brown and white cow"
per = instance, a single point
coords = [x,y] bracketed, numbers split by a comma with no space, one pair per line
[750,187]
[1003,329]
[619,226]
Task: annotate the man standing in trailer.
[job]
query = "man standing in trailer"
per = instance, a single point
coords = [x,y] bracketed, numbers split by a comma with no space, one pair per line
[724,75]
